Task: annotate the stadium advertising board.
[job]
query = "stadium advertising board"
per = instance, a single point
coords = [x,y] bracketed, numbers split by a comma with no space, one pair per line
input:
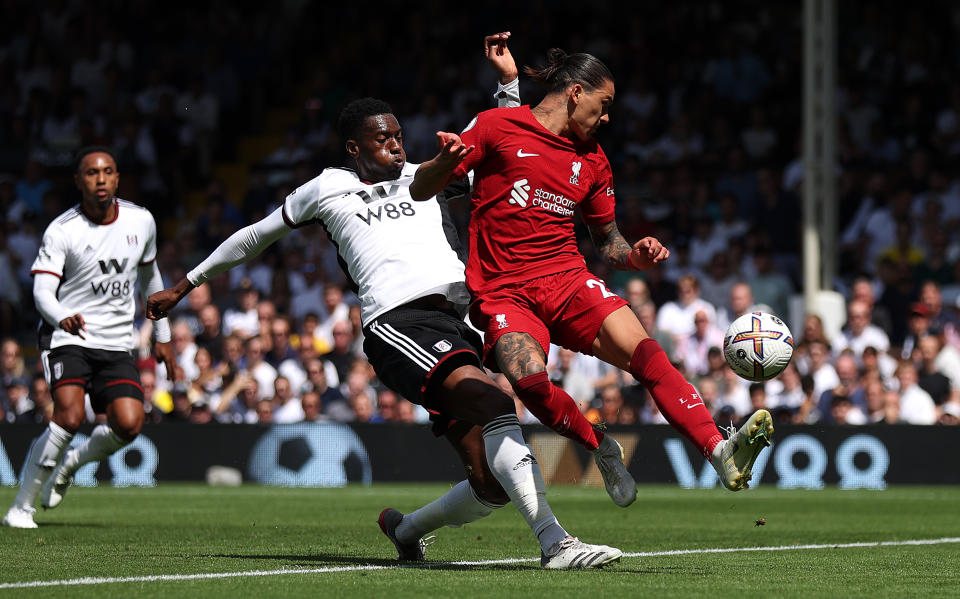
[332,455]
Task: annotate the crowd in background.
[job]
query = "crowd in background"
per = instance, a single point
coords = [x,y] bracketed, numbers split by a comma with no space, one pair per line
[705,143]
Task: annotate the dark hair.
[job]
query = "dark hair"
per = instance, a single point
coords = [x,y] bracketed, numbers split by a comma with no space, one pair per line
[354,113]
[564,69]
[87,150]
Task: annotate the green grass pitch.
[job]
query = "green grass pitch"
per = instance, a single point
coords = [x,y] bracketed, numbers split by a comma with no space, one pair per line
[316,543]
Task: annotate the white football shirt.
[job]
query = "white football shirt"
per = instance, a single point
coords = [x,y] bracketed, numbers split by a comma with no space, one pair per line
[97,266]
[393,248]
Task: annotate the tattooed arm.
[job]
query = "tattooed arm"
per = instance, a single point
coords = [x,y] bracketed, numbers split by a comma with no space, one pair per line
[617,253]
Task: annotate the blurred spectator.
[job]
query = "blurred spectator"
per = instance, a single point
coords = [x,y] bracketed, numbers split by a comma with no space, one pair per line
[264,411]
[335,309]
[823,373]
[362,407]
[916,405]
[718,280]
[342,355]
[676,317]
[941,319]
[333,402]
[19,407]
[210,336]
[692,349]
[239,400]
[785,391]
[848,387]
[312,407]
[185,348]
[280,349]
[733,401]
[577,385]
[930,378]
[243,319]
[858,333]
[739,302]
[254,364]
[287,407]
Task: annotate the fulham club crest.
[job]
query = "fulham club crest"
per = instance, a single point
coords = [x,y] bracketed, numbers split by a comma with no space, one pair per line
[131,240]
[443,346]
[58,370]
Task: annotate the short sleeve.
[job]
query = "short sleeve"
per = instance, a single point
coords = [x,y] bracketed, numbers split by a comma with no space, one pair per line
[300,207]
[150,247]
[599,205]
[473,135]
[52,254]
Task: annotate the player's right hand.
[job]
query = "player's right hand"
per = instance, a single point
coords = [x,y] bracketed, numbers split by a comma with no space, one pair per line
[160,303]
[496,50]
[74,324]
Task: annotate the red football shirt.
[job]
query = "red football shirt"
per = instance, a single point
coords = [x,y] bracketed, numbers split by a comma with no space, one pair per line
[527,182]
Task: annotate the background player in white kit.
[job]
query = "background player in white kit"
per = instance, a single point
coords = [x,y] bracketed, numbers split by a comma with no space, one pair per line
[85,276]
[411,286]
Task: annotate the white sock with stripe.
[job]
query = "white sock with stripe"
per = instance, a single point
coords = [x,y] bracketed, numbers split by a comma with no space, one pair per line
[515,466]
[458,506]
[43,456]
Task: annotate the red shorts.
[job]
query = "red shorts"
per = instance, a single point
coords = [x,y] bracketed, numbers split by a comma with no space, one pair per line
[566,307]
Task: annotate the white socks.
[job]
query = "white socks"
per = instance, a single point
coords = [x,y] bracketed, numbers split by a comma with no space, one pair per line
[102,443]
[515,466]
[42,458]
[518,472]
[458,506]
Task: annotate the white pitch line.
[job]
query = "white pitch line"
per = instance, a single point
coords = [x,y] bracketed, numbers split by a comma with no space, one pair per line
[287,571]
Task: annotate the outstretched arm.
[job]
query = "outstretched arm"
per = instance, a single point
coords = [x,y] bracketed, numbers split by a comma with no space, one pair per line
[617,253]
[498,54]
[434,175]
[240,247]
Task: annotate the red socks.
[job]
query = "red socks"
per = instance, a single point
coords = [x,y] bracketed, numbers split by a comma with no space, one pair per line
[556,410]
[677,399]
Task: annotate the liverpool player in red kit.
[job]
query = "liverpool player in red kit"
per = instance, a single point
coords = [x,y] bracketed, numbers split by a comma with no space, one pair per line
[532,168]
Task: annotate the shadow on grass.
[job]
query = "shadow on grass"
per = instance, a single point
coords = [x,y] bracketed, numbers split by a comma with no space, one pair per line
[629,566]
[321,559]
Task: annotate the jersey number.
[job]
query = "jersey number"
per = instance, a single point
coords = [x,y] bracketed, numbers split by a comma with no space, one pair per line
[595,284]
[388,210]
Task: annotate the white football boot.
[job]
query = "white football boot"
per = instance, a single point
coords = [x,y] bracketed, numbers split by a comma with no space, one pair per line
[573,554]
[733,459]
[18,517]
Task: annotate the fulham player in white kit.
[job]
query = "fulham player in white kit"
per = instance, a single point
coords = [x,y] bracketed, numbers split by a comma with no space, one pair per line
[411,285]
[85,276]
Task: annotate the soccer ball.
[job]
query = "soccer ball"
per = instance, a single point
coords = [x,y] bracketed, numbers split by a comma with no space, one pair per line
[758,346]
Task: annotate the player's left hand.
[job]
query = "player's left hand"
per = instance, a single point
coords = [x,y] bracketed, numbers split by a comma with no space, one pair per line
[496,50]
[647,252]
[163,352]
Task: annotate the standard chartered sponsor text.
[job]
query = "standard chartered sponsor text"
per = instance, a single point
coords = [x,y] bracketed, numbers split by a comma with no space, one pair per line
[554,202]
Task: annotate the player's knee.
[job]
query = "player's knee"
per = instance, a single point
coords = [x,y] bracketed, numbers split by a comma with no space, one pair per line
[69,419]
[126,424]
[127,429]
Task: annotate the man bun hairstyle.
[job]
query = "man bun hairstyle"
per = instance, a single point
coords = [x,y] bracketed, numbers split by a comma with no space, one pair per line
[87,150]
[563,70]
[353,114]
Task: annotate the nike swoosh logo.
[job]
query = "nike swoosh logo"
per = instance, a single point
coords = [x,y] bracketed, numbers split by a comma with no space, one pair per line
[693,405]
[522,154]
